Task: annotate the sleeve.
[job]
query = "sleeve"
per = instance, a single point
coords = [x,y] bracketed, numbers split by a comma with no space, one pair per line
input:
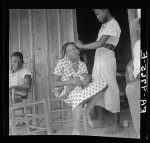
[59,68]
[84,68]
[25,72]
[111,29]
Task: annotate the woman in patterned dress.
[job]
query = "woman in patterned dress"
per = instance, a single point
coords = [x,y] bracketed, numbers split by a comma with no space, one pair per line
[71,66]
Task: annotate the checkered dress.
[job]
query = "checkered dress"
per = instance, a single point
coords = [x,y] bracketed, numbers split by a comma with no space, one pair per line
[77,97]
[65,70]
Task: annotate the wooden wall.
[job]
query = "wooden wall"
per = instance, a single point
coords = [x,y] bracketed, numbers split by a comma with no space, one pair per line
[41,32]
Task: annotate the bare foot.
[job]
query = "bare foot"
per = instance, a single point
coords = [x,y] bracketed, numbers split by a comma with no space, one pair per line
[115,129]
[100,124]
[95,124]
[91,123]
[138,136]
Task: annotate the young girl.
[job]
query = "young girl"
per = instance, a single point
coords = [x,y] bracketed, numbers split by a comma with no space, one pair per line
[19,77]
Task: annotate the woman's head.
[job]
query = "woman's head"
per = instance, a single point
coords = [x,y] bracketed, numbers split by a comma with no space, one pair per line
[16,61]
[70,50]
[101,14]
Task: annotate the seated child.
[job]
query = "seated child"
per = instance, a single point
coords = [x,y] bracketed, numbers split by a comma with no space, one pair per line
[19,77]
[85,80]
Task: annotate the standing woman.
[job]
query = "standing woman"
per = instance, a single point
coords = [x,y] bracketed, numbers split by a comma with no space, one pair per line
[105,65]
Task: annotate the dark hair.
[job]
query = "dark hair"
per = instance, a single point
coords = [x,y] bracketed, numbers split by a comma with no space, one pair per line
[109,10]
[63,50]
[18,54]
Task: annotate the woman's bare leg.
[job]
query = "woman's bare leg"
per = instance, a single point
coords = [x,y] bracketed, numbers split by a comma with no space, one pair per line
[90,106]
[76,120]
[116,127]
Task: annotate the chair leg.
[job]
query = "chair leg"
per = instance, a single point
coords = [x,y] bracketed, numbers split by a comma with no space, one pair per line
[85,121]
[11,115]
[61,114]
[12,122]
[49,132]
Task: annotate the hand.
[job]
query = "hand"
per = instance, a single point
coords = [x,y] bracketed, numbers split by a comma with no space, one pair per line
[60,89]
[76,81]
[79,44]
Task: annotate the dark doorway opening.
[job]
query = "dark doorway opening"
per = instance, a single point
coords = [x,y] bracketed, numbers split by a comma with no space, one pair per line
[88,28]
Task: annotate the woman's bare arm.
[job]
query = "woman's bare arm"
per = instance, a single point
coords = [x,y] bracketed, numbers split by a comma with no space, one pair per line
[93,45]
[58,83]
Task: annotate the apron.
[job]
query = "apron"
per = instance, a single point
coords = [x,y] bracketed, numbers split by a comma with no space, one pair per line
[105,68]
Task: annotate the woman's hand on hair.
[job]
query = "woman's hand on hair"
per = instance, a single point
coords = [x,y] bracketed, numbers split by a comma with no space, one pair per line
[79,44]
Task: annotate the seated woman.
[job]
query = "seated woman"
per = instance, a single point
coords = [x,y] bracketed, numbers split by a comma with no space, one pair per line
[70,65]
[19,77]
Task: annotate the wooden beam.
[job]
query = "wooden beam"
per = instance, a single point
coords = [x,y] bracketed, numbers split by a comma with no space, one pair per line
[75,31]
[14,30]
[132,14]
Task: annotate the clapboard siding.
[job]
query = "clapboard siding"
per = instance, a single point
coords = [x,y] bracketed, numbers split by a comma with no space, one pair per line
[39,46]
[14,30]
[54,41]
[41,32]
[25,33]
[67,25]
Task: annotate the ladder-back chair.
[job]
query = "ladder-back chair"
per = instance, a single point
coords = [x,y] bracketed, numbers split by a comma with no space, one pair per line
[28,105]
[63,109]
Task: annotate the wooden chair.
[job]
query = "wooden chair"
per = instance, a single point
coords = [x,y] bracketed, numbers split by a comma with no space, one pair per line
[28,105]
[28,129]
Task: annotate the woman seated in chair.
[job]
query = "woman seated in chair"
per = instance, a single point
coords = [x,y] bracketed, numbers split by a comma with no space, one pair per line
[19,77]
[71,66]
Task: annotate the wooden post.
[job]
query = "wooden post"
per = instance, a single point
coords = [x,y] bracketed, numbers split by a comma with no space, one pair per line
[75,31]
[132,14]
[48,104]
[14,30]
[12,112]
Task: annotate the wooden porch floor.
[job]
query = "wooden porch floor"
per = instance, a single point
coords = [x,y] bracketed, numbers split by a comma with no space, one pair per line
[128,132]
